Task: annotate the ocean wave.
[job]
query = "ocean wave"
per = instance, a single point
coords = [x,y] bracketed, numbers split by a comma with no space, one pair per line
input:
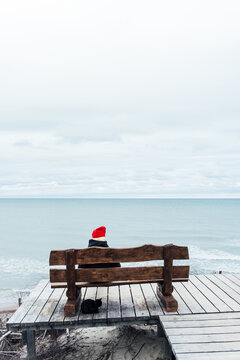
[21,267]
[202,266]
[196,252]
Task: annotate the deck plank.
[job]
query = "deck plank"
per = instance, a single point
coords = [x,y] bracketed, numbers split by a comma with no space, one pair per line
[182,306]
[200,297]
[127,306]
[234,278]
[58,314]
[154,306]
[204,338]
[38,305]
[234,355]
[139,301]
[228,290]
[229,282]
[204,330]
[114,308]
[212,297]
[197,323]
[203,317]
[237,276]
[233,305]
[188,298]
[48,309]
[208,347]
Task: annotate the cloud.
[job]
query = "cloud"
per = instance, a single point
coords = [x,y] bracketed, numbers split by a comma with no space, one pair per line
[128,99]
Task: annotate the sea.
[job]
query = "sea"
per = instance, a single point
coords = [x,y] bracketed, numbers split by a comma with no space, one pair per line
[30,228]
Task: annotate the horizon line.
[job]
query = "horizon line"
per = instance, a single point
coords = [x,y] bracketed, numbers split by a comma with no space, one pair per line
[122,198]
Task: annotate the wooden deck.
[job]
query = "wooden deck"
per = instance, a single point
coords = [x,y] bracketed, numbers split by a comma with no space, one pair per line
[204,336]
[206,325]
[121,304]
[211,329]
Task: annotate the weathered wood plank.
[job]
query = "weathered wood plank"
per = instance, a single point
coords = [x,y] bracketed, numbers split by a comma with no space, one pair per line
[100,255]
[127,306]
[203,338]
[188,298]
[114,308]
[204,330]
[154,306]
[203,317]
[207,347]
[212,297]
[140,305]
[200,297]
[48,309]
[102,293]
[27,304]
[58,314]
[228,290]
[230,283]
[210,356]
[237,276]
[182,306]
[198,323]
[219,292]
[118,274]
[234,278]
[37,307]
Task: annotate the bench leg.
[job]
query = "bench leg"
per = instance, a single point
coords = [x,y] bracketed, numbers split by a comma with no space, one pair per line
[71,306]
[168,301]
[31,348]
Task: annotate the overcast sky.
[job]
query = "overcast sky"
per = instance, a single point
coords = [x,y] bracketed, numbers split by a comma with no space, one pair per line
[122,98]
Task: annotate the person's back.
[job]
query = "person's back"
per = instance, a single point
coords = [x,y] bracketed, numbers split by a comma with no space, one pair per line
[98,239]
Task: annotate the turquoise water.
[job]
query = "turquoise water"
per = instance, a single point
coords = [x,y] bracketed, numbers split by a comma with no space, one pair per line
[30,228]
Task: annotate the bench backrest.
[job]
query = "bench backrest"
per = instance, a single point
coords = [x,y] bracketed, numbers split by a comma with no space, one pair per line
[111,276]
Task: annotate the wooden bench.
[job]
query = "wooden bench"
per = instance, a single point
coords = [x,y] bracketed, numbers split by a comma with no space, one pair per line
[74,279]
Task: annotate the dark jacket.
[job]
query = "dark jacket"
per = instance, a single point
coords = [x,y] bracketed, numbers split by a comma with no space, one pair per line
[99,265]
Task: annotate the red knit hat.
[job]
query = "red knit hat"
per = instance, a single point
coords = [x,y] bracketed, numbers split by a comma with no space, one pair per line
[99,232]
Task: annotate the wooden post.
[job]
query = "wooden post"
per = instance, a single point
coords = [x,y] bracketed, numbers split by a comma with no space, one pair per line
[165,289]
[31,348]
[73,295]
[168,268]
[24,337]
[160,331]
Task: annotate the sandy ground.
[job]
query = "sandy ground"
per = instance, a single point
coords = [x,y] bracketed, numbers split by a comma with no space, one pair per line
[99,343]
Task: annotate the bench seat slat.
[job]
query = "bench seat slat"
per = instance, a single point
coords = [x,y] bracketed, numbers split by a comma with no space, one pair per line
[110,255]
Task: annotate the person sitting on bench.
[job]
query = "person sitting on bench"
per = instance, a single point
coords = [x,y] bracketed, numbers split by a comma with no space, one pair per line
[98,239]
